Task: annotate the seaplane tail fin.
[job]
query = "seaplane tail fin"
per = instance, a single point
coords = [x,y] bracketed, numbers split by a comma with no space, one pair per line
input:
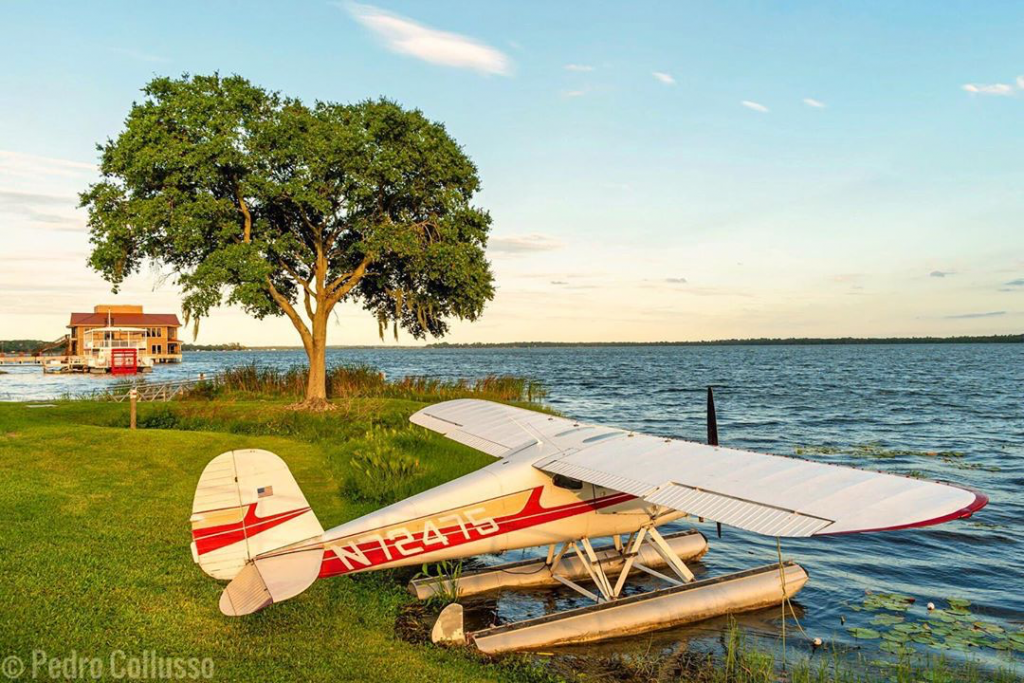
[251,524]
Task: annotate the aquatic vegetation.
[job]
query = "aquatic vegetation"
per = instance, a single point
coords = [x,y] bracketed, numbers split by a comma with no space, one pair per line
[363,381]
[864,633]
[743,661]
[448,574]
[889,601]
[979,524]
[954,628]
[876,451]
[886,620]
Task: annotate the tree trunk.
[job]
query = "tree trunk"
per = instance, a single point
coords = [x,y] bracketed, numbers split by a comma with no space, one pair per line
[316,351]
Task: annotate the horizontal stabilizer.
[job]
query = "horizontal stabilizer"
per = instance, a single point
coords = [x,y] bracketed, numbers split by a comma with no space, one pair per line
[270,579]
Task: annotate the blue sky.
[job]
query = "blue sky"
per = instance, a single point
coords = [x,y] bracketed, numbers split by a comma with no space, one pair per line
[655,170]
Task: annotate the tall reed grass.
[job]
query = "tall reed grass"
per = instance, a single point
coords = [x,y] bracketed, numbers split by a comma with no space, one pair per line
[363,381]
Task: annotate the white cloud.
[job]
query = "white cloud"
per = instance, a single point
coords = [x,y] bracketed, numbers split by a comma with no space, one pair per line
[18,164]
[519,244]
[756,106]
[811,102]
[1020,82]
[42,211]
[988,89]
[573,93]
[578,67]
[664,77]
[408,37]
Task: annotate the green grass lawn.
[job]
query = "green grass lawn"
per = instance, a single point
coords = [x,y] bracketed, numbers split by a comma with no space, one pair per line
[94,554]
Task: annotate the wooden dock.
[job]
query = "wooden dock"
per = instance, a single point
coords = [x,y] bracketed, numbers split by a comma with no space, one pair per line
[74,364]
[21,359]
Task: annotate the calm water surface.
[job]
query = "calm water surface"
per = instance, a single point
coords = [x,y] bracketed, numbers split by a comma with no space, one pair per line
[923,399]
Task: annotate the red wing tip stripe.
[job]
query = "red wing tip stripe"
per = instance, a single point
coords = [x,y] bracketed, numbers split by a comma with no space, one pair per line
[980,501]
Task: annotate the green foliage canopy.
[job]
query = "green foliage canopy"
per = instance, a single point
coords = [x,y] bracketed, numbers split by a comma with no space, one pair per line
[259,200]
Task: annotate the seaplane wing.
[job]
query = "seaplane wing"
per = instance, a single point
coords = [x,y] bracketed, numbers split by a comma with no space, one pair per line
[766,494]
[493,428]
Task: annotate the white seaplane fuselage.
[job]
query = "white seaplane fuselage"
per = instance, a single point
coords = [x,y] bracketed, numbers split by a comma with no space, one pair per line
[506,505]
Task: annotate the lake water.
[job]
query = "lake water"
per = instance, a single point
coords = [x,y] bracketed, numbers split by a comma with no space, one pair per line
[844,404]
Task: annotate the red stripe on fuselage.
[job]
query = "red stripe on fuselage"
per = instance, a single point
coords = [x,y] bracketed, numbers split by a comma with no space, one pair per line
[532,514]
[215,537]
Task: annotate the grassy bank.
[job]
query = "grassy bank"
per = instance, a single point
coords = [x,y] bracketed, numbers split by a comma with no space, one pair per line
[94,554]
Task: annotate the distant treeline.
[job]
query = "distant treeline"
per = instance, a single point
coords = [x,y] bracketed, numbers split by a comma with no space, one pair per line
[233,346]
[762,341]
[21,345]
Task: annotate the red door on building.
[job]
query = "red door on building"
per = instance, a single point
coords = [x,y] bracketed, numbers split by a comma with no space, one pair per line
[124,362]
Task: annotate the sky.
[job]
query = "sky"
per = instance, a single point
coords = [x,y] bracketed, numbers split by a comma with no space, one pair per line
[654,171]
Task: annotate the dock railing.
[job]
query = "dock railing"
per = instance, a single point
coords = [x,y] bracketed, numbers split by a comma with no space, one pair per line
[145,391]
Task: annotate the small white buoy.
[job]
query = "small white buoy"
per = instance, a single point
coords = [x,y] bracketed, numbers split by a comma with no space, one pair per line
[931,606]
[817,642]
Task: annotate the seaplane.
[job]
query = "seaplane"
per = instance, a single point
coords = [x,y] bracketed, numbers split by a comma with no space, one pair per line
[560,484]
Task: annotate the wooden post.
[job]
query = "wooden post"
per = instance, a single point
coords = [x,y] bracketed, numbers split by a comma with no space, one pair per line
[133,395]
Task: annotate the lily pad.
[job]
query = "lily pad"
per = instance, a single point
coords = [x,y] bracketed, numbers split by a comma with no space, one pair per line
[941,615]
[893,602]
[886,620]
[864,633]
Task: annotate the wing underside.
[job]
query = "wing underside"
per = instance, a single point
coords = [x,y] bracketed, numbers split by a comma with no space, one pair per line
[766,494]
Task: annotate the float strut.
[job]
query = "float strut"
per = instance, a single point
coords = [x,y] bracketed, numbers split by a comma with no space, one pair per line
[671,559]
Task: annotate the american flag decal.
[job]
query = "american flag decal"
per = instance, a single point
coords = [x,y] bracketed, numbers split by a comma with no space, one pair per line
[264,491]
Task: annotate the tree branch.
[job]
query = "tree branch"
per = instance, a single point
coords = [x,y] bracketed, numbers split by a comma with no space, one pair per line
[289,310]
[338,281]
[353,279]
[247,232]
[309,304]
[298,278]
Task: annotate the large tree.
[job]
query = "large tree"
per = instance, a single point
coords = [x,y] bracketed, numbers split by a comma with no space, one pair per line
[261,201]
